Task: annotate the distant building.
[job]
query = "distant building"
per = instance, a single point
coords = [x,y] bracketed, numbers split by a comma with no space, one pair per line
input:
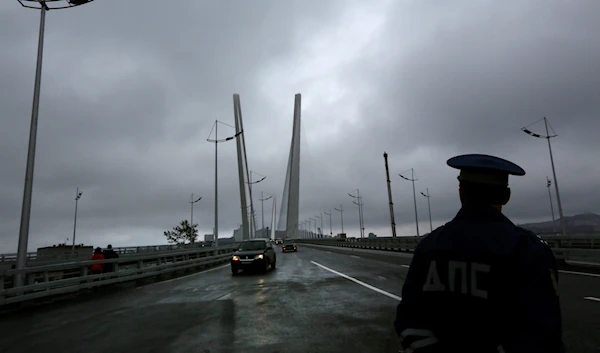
[372,235]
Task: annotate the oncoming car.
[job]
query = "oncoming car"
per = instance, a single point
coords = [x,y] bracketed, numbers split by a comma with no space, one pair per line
[289,246]
[253,254]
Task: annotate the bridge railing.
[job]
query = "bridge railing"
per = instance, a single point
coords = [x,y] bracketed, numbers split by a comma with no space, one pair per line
[34,259]
[572,249]
[68,277]
[13,257]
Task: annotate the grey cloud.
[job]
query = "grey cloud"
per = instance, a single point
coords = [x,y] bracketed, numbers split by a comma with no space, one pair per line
[130,94]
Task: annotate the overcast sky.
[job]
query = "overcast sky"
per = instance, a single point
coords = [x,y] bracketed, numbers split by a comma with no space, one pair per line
[131,89]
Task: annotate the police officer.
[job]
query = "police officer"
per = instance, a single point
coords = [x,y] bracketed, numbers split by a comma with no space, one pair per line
[479,283]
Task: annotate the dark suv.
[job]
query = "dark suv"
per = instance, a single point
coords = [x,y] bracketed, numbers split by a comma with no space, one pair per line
[253,254]
[289,245]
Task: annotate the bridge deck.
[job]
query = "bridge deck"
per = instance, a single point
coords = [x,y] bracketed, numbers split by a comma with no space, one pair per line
[299,307]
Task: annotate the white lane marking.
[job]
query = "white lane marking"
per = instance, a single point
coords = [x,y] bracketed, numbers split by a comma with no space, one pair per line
[359,282]
[579,273]
[182,277]
[224,297]
[354,256]
[381,277]
[407,266]
[592,298]
[583,263]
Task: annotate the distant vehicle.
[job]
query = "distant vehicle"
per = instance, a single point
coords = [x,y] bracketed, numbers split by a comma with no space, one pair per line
[278,241]
[253,254]
[289,246]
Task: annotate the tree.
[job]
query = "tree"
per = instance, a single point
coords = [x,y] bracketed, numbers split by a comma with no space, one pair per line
[184,233]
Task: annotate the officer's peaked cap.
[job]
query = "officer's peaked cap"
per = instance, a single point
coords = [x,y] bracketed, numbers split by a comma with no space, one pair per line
[484,169]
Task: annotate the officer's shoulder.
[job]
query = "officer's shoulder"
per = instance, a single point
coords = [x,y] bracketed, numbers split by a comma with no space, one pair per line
[429,239]
[532,242]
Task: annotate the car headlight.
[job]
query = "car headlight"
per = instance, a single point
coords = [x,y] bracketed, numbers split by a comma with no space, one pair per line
[236,258]
[259,256]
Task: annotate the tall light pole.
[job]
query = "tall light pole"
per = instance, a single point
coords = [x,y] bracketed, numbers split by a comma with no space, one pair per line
[77,197]
[192,202]
[548,184]
[320,218]
[341,211]
[412,179]
[216,142]
[250,183]
[429,207]
[330,226]
[548,137]
[360,215]
[360,218]
[43,6]
[262,207]
[305,229]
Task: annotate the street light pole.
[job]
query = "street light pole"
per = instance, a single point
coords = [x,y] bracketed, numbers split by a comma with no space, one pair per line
[548,184]
[262,207]
[216,141]
[192,202]
[321,218]
[414,195]
[560,211]
[548,137]
[360,217]
[30,165]
[252,219]
[77,197]
[216,228]
[341,211]
[330,227]
[429,207]
[321,228]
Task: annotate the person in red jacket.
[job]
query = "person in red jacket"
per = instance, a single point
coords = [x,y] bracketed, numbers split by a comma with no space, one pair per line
[97,268]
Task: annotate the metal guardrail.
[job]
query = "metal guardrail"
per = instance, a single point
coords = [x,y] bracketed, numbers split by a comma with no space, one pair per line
[126,250]
[573,242]
[573,249]
[69,277]
[580,240]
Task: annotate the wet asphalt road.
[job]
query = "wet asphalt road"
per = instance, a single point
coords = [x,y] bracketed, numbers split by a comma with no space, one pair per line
[299,307]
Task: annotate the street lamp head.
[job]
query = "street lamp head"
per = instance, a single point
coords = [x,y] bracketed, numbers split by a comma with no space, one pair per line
[52,4]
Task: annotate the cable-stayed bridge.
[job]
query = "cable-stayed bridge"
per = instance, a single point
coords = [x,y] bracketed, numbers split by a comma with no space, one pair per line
[333,295]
